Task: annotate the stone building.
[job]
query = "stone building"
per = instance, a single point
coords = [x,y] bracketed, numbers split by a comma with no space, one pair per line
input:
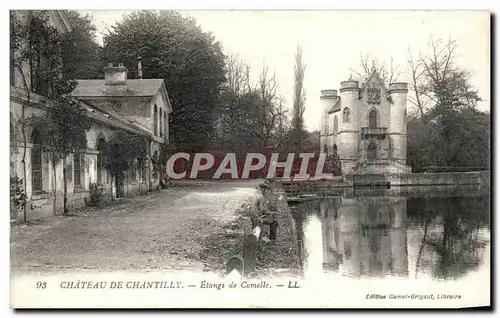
[115,103]
[366,125]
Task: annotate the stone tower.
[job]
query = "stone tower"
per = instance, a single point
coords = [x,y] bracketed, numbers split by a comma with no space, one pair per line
[329,100]
[397,123]
[348,134]
[366,125]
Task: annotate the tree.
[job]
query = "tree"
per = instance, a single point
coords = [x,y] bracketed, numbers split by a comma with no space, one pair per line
[416,71]
[251,114]
[122,151]
[235,108]
[388,74]
[81,52]
[446,103]
[191,62]
[38,59]
[299,99]
[447,86]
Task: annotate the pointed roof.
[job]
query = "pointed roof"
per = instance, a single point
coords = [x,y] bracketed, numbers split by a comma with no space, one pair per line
[366,79]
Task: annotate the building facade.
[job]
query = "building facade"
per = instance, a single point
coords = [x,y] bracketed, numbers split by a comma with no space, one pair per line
[113,104]
[365,126]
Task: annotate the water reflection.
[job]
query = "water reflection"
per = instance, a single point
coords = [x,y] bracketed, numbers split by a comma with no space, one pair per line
[379,234]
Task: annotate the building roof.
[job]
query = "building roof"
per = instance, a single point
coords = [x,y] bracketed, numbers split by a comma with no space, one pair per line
[107,117]
[135,88]
[335,107]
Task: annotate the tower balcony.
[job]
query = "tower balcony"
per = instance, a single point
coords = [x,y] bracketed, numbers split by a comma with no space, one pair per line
[373,132]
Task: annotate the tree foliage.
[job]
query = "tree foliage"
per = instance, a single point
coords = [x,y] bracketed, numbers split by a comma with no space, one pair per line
[176,49]
[451,123]
[122,151]
[81,52]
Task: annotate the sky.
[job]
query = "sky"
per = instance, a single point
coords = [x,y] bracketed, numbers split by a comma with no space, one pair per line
[332,42]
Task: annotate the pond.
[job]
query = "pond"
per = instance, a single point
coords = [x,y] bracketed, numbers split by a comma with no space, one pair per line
[382,234]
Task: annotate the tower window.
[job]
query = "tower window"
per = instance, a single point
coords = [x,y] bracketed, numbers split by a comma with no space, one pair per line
[335,125]
[346,116]
[372,119]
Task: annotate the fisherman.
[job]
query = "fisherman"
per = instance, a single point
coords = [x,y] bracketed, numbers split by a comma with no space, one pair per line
[267,208]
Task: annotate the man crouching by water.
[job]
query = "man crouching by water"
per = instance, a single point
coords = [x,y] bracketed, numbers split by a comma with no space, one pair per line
[264,209]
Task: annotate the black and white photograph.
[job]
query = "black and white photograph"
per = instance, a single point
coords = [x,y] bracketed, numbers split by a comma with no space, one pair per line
[250,159]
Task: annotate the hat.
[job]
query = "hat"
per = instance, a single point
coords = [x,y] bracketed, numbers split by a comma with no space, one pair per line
[263,186]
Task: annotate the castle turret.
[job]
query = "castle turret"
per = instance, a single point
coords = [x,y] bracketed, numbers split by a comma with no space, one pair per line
[348,138]
[328,99]
[397,123]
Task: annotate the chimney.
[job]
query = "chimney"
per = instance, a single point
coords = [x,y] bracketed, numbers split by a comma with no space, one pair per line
[139,67]
[115,79]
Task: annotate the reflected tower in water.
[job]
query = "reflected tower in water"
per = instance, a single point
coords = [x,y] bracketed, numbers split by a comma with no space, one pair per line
[378,233]
[365,235]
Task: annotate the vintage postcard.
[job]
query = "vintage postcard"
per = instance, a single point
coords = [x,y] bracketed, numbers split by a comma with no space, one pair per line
[250,159]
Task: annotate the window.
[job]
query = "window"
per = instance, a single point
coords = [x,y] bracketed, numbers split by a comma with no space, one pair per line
[77,164]
[335,125]
[161,123]
[155,120]
[372,119]
[405,117]
[165,124]
[38,62]
[36,161]
[373,94]
[372,151]
[346,116]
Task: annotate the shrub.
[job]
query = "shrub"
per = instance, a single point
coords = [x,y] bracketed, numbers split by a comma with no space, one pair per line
[96,194]
[17,195]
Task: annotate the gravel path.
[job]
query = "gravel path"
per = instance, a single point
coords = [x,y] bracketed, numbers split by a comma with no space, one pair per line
[162,231]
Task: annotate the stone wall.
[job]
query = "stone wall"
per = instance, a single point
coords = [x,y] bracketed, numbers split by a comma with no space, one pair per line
[445,178]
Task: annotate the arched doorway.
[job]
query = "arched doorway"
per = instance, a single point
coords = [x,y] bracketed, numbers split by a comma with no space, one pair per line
[372,119]
[325,149]
[371,151]
[101,148]
[78,162]
[334,149]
